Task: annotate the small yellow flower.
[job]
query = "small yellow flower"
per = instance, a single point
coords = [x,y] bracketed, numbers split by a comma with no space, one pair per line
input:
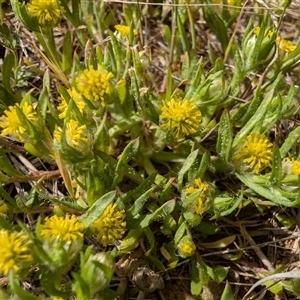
[62,107]
[125,30]
[75,133]
[47,12]
[291,166]
[296,167]
[186,247]
[57,298]
[256,152]
[67,229]
[182,117]
[3,207]
[198,186]
[110,225]
[95,84]
[57,134]
[11,123]
[230,2]
[15,251]
[285,45]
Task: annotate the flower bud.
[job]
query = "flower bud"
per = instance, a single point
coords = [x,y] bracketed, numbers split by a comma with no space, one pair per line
[94,275]
[186,247]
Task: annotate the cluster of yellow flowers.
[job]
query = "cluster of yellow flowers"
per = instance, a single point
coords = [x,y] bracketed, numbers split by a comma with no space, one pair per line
[198,186]
[16,252]
[283,44]
[12,123]
[125,30]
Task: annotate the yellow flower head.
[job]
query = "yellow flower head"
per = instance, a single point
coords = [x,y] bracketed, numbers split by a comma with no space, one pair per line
[15,251]
[230,2]
[256,152]
[182,117]
[291,166]
[125,30]
[285,45]
[11,123]
[67,229]
[62,107]
[95,84]
[198,186]
[186,247]
[75,133]
[296,167]
[47,12]
[3,207]
[110,225]
[57,134]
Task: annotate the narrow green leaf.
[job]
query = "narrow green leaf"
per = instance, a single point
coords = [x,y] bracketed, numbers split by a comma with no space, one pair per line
[196,285]
[227,293]
[257,117]
[67,52]
[17,290]
[180,233]
[273,194]
[151,239]
[6,166]
[183,36]
[130,242]
[289,142]
[96,210]
[139,203]
[224,137]
[185,168]
[276,174]
[217,274]
[8,64]
[164,210]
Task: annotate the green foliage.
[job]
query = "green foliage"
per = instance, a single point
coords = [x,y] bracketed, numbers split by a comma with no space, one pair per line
[83,135]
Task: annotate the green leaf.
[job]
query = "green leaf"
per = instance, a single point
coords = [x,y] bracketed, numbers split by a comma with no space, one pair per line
[216,25]
[257,117]
[196,285]
[183,36]
[139,203]
[276,174]
[67,52]
[224,137]
[207,228]
[17,290]
[289,142]
[217,274]
[8,64]
[186,166]
[180,233]
[97,209]
[151,239]
[6,166]
[164,210]
[222,243]
[227,293]
[273,194]
[130,242]
[128,153]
